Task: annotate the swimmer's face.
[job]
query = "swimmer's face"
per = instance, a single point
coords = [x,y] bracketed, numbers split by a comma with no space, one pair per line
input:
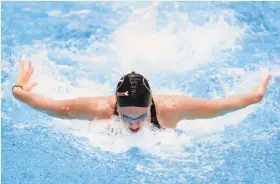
[134,118]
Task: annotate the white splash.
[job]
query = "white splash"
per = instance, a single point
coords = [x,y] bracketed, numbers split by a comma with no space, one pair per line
[180,45]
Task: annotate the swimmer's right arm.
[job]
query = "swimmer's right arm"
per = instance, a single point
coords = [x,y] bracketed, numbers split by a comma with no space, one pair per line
[78,108]
[83,108]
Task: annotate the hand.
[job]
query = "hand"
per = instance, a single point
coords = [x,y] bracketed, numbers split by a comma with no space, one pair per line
[24,76]
[260,89]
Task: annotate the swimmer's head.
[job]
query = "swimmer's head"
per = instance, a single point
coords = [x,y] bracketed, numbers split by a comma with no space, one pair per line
[133,101]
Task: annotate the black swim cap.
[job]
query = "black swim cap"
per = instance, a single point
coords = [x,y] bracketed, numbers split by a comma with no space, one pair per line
[133,90]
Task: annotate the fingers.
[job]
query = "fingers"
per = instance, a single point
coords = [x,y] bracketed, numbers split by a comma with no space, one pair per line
[21,67]
[267,75]
[32,69]
[28,69]
[31,85]
[266,79]
[29,66]
[263,84]
[25,73]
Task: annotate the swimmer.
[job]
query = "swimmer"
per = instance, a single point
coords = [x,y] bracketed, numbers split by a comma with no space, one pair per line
[134,103]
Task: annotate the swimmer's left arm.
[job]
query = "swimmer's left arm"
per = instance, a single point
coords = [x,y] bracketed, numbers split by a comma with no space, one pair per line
[180,107]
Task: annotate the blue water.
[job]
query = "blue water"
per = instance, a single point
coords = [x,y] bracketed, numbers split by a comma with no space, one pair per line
[203,49]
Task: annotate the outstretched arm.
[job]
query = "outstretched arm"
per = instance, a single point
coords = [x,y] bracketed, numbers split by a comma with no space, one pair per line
[79,108]
[177,108]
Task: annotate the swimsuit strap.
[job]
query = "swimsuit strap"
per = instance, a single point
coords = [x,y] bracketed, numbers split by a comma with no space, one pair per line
[115,110]
[154,120]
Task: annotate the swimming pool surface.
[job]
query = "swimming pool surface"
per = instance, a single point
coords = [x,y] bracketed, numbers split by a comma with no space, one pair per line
[201,49]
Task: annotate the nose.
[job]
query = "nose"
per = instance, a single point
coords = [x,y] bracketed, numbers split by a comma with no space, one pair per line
[134,124]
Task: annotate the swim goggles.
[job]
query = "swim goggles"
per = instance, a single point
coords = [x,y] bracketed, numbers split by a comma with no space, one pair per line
[131,120]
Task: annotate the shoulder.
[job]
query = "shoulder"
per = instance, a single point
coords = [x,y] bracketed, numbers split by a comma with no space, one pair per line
[167,102]
[173,108]
[99,107]
[166,107]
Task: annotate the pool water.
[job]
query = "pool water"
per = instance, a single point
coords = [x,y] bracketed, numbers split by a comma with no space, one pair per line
[199,49]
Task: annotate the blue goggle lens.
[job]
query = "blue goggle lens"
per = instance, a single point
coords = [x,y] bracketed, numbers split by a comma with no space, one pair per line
[130,119]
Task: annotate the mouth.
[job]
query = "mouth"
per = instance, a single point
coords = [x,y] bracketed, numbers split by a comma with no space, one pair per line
[134,130]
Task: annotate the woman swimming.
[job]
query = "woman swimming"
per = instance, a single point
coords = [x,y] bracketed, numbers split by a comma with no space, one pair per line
[134,103]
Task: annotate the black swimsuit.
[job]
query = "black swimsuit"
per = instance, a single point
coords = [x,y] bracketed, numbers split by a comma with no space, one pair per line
[154,120]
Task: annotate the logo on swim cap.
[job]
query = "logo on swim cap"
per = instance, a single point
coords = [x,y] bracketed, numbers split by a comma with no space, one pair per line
[122,93]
